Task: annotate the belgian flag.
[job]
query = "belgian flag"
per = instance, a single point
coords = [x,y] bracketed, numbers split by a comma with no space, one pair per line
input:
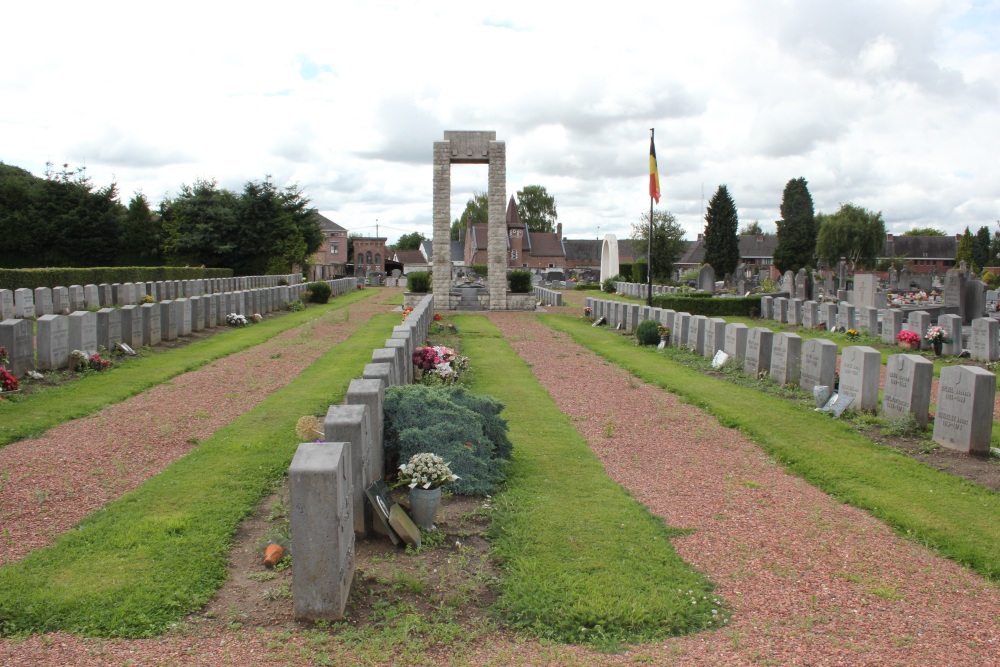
[654,175]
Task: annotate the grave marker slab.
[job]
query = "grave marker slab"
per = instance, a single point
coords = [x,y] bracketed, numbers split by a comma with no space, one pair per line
[6,304]
[109,328]
[696,334]
[758,353]
[786,358]
[349,423]
[43,301]
[679,333]
[60,301]
[18,337]
[810,315]
[736,341]
[151,328]
[892,324]
[964,418]
[52,336]
[131,325]
[819,363]
[24,302]
[168,320]
[83,331]
[983,344]
[91,296]
[859,375]
[715,336]
[907,387]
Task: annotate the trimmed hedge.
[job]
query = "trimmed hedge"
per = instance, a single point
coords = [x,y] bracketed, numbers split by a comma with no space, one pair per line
[319,292]
[520,281]
[13,279]
[712,306]
[588,286]
[418,281]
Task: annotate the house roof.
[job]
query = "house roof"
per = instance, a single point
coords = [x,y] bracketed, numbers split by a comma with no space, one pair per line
[513,217]
[588,250]
[752,246]
[410,257]
[929,247]
[695,253]
[326,224]
[457,251]
[545,244]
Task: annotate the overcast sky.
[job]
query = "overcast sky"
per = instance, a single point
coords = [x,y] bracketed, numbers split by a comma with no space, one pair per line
[890,105]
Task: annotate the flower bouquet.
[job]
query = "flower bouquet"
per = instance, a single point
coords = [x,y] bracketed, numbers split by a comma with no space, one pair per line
[236,320]
[852,334]
[439,364]
[7,381]
[437,317]
[936,334]
[424,471]
[908,339]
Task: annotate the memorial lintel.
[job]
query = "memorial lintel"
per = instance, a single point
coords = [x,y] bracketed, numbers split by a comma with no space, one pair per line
[470,147]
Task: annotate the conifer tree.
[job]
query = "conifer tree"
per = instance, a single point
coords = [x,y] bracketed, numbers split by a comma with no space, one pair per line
[722,245]
[797,228]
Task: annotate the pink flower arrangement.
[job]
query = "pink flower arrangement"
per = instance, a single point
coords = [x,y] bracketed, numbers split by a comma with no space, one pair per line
[907,336]
[439,363]
[7,381]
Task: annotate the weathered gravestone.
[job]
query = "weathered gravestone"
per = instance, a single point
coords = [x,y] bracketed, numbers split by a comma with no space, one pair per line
[810,314]
[819,364]
[964,418]
[151,329]
[736,342]
[43,301]
[131,326]
[109,328]
[91,296]
[767,307]
[16,336]
[864,293]
[779,310]
[667,318]
[788,283]
[954,287]
[679,335]
[168,320]
[52,336]
[388,356]
[983,344]
[758,353]
[696,334]
[24,302]
[892,324]
[952,325]
[860,366]
[918,321]
[802,290]
[83,331]
[845,316]
[907,387]
[321,519]
[974,298]
[6,304]
[869,320]
[104,295]
[786,358]
[828,314]
[378,371]
[715,336]
[349,423]
[60,301]
[371,393]
[795,312]
[706,279]
[893,278]
[182,311]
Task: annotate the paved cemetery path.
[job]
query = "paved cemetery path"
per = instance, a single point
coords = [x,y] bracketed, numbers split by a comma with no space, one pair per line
[812,581]
[52,482]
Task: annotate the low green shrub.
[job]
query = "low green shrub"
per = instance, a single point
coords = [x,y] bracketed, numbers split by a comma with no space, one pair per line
[464,429]
[624,271]
[639,273]
[520,281]
[609,286]
[418,281]
[588,286]
[709,306]
[319,292]
[51,277]
[481,269]
[648,332]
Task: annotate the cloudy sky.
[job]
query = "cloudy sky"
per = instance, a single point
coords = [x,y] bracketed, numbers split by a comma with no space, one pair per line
[891,105]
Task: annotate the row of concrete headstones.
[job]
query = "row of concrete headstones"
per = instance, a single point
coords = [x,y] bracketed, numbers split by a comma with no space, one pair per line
[984,343]
[706,283]
[56,336]
[965,401]
[31,303]
[549,297]
[327,480]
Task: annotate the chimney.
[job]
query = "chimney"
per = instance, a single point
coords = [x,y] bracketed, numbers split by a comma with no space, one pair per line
[958,238]
[701,236]
[559,230]
[890,238]
[760,238]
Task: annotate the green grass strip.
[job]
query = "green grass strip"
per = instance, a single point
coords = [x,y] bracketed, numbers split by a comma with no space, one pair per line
[959,519]
[583,561]
[35,414]
[161,551]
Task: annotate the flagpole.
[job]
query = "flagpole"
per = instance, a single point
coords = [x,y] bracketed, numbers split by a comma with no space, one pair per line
[649,245]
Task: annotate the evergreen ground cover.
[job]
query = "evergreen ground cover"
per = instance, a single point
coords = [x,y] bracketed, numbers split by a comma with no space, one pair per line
[958,519]
[582,561]
[141,563]
[44,409]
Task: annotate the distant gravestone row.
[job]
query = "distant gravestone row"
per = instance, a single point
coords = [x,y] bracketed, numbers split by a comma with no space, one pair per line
[965,400]
[329,481]
[58,335]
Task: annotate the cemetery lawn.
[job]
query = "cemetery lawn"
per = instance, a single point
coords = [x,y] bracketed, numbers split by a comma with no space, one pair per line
[136,567]
[42,410]
[582,562]
[958,519]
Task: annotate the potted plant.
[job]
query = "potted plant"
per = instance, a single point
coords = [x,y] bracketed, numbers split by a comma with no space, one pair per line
[937,337]
[424,474]
[664,334]
[909,340]
[852,334]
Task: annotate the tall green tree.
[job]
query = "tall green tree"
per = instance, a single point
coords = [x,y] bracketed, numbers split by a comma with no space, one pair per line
[668,242]
[141,235]
[797,229]
[981,248]
[751,229]
[409,241]
[923,231]
[201,226]
[995,249]
[537,208]
[477,212]
[966,249]
[722,245]
[854,233]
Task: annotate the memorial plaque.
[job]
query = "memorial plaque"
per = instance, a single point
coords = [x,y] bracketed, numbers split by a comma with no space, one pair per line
[381,503]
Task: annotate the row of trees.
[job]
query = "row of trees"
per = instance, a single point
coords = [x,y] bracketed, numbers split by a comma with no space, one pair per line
[64,220]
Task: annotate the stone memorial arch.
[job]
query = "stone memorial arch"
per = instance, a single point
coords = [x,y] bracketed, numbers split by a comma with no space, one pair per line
[470,148]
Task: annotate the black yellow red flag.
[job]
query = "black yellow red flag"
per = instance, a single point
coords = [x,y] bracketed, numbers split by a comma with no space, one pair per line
[654,175]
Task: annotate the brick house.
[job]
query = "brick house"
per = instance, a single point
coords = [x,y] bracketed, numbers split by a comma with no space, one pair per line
[525,249]
[369,255]
[922,254]
[331,259]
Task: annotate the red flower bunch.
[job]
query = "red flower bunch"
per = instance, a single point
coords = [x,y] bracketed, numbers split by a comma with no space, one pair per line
[7,381]
[907,336]
[437,317]
[97,363]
